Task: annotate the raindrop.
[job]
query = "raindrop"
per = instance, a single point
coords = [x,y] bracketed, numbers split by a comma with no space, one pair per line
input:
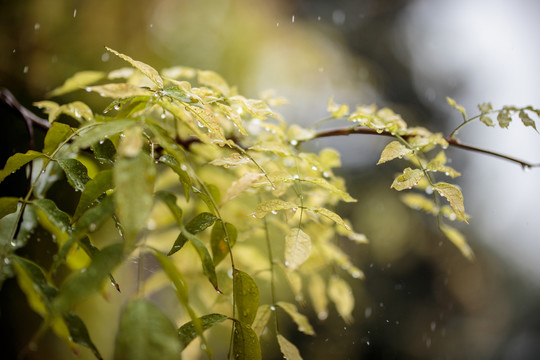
[105,57]
[25,70]
[429,190]
[433,326]
[314,168]
[294,142]
[326,174]
[151,25]
[183,167]
[277,24]
[526,168]
[338,17]
[74,12]
[318,18]
[163,116]
[88,89]
[105,111]
[322,315]
[200,124]
[37,26]
[92,227]
[14,50]
[274,212]
[296,177]
[117,107]
[428,342]
[367,312]
[292,20]
[230,273]
[356,274]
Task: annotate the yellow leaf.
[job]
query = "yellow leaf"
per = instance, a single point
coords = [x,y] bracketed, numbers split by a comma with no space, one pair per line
[213,80]
[261,319]
[420,202]
[454,197]
[459,108]
[230,161]
[301,321]
[241,185]
[337,110]
[272,206]
[459,240]
[272,146]
[289,351]
[332,188]
[297,248]
[78,81]
[408,179]
[119,90]
[317,293]
[393,150]
[341,295]
[147,70]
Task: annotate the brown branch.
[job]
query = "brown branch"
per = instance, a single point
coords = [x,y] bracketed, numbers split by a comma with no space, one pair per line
[451,141]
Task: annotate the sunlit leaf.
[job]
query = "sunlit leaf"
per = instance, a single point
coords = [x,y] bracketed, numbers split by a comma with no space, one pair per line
[317,293]
[341,259]
[289,351]
[394,150]
[504,119]
[301,320]
[78,81]
[241,185]
[16,161]
[272,206]
[297,248]
[214,81]
[94,188]
[526,120]
[246,295]
[55,216]
[272,146]
[187,332]
[420,202]
[459,108]
[234,159]
[261,319]
[134,180]
[337,110]
[147,70]
[330,158]
[298,133]
[76,173]
[245,343]
[341,295]
[454,197]
[131,142]
[101,131]
[408,179]
[438,164]
[458,240]
[56,134]
[77,110]
[146,333]
[221,241]
[119,90]
[8,205]
[332,188]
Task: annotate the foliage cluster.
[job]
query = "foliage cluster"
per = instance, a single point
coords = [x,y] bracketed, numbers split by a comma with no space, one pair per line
[181,152]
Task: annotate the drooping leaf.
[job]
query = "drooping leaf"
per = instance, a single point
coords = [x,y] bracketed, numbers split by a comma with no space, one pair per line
[246,295]
[459,108]
[180,170]
[195,225]
[407,179]
[187,332]
[56,134]
[337,110]
[214,81]
[241,185]
[79,333]
[16,161]
[134,180]
[245,343]
[454,197]
[170,200]
[147,70]
[335,254]
[341,295]
[94,188]
[300,320]
[288,349]
[457,238]
[78,81]
[221,240]
[526,120]
[272,206]
[85,282]
[8,205]
[76,173]
[146,333]
[297,248]
[261,319]
[100,131]
[394,150]
[209,269]
[420,202]
[317,293]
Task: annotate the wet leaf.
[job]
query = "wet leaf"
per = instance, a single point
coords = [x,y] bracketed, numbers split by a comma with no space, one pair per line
[394,150]
[408,179]
[181,170]
[289,351]
[337,110]
[57,218]
[79,333]
[298,133]
[458,240]
[94,188]
[78,81]
[145,333]
[147,70]
[170,200]
[231,160]
[272,206]
[272,146]
[134,180]
[56,134]
[504,119]
[100,131]
[317,293]
[16,161]
[332,188]
[206,260]
[245,343]
[8,205]
[219,239]
[330,158]
[76,173]
[241,185]
[297,248]
[341,295]
[420,202]
[214,81]
[246,295]
[454,197]
[119,90]
[187,332]
[261,319]
[300,320]
[526,120]
[459,108]
[438,164]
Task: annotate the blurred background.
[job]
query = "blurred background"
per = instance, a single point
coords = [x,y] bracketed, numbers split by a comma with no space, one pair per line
[421,298]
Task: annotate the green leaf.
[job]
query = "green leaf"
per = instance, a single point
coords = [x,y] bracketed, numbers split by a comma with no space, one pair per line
[200,222]
[85,282]
[119,90]
[8,205]
[454,197]
[76,173]
[301,320]
[459,108]
[219,239]
[134,180]
[170,200]
[504,119]
[145,333]
[214,81]
[246,295]
[206,260]
[341,295]
[77,81]
[99,131]
[458,240]
[94,188]
[337,110]
[59,219]
[526,120]
[245,343]
[261,319]
[79,333]
[56,134]
[16,161]
[147,70]
[394,150]
[297,248]
[93,218]
[289,351]
[408,179]
[104,152]
[180,170]
[187,332]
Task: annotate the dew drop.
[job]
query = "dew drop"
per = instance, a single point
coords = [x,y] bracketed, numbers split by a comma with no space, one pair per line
[25,69]
[296,177]
[88,89]
[322,315]
[163,116]
[75,13]
[356,274]
[105,57]
[37,26]
[318,18]
[433,326]
[368,312]
[116,107]
[92,227]
[294,142]
[314,168]
[274,212]
[292,20]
